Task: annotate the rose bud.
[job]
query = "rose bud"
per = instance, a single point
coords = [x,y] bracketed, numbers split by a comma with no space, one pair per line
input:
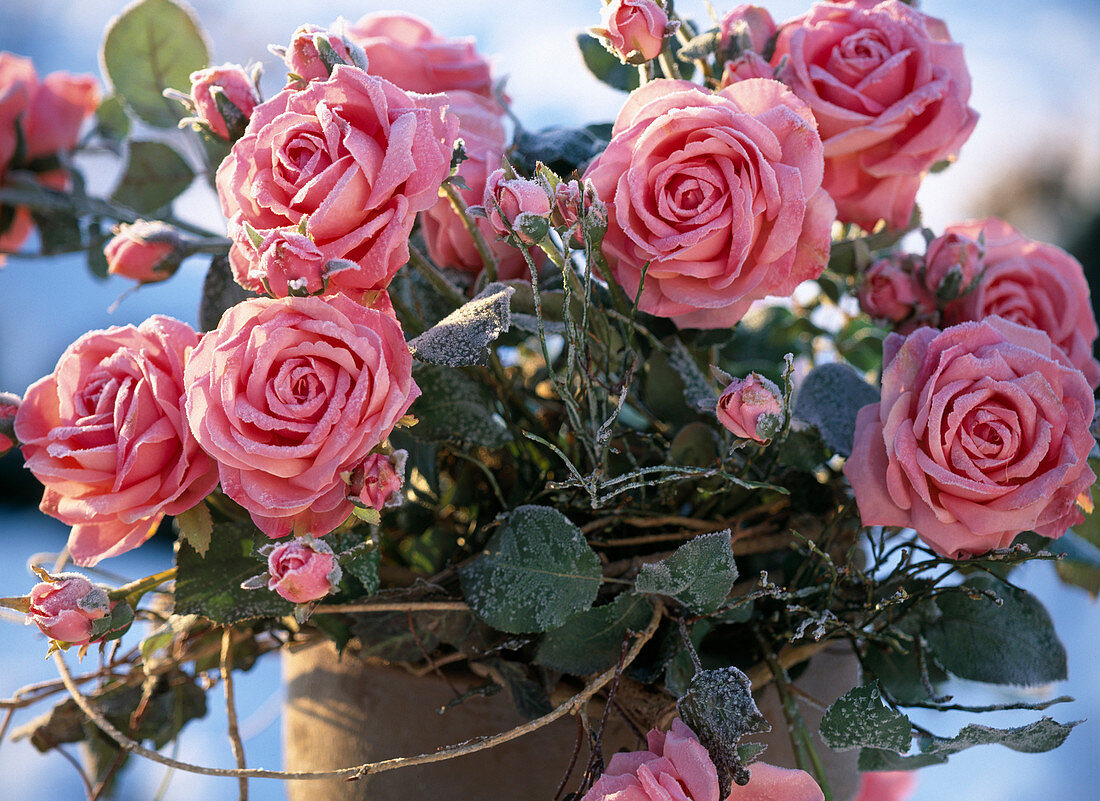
[66,607]
[377,482]
[144,251]
[314,51]
[9,405]
[751,408]
[524,204]
[303,570]
[746,28]
[228,115]
[889,291]
[634,30]
[952,266]
[749,65]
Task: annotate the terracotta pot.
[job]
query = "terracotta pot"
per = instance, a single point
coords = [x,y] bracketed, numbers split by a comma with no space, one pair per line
[343,712]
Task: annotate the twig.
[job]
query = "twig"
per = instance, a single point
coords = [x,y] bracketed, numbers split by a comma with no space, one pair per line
[358,771]
[79,769]
[231,710]
[572,760]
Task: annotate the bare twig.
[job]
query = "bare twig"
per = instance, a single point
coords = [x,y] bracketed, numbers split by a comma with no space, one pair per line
[569,707]
[231,710]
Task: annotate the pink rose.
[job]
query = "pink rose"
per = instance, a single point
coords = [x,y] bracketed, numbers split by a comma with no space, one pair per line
[1033,284]
[889,90]
[635,30]
[751,408]
[303,570]
[982,432]
[748,65]
[719,193]
[890,291]
[886,785]
[752,25]
[303,58]
[406,50]
[285,262]
[65,609]
[377,482]
[519,205]
[449,242]
[105,434]
[677,766]
[9,405]
[144,251]
[287,395]
[353,156]
[236,86]
[952,263]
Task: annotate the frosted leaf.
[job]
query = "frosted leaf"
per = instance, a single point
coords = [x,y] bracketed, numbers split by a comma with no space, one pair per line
[536,572]
[697,389]
[462,338]
[860,718]
[700,574]
[591,641]
[454,407]
[829,399]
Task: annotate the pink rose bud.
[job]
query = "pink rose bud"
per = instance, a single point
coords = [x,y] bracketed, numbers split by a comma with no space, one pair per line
[952,266]
[145,251]
[747,28]
[228,117]
[634,30]
[751,408]
[314,51]
[303,570]
[886,785]
[524,204]
[377,482]
[749,65]
[889,291]
[66,608]
[287,263]
[9,405]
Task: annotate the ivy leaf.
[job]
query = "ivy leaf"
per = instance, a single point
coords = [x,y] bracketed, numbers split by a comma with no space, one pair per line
[860,718]
[535,572]
[151,46]
[718,706]
[591,641]
[700,574]
[453,407]
[210,586]
[829,398]
[463,337]
[155,175]
[605,66]
[195,527]
[1014,643]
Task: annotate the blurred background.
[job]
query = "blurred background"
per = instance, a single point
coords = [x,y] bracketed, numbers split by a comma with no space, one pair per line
[1034,160]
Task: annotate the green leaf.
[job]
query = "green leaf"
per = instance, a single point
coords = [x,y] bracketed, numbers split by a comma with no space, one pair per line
[58,231]
[1014,643]
[219,293]
[155,175]
[562,150]
[195,527]
[829,398]
[860,718]
[388,636]
[151,46]
[535,573]
[1080,564]
[1043,735]
[605,66]
[591,642]
[364,566]
[463,337]
[111,118]
[700,574]
[698,392]
[210,586]
[454,407]
[528,696]
[718,706]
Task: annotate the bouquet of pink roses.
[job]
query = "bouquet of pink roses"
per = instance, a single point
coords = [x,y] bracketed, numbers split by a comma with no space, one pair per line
[545,407]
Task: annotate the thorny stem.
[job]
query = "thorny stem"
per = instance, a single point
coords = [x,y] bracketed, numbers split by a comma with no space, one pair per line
[572,706]
[488,260]
[231,710]
[142,586]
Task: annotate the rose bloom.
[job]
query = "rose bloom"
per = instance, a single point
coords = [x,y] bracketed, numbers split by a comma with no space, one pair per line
[449,242]
[303,570]
[746,402]
[354,155]
[49,114]
[752,22]
[408,51]
[289,394]
[677,766]
[1030,283]
[890,291]
[719,193]
[635,29]
[302,56]
[285,262]
[106,435]
[65,609]
[237,86]
[982,432]
[886,785]
[889,90]
[146,252]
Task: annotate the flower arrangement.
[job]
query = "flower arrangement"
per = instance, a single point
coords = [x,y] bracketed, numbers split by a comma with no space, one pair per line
[545,407]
